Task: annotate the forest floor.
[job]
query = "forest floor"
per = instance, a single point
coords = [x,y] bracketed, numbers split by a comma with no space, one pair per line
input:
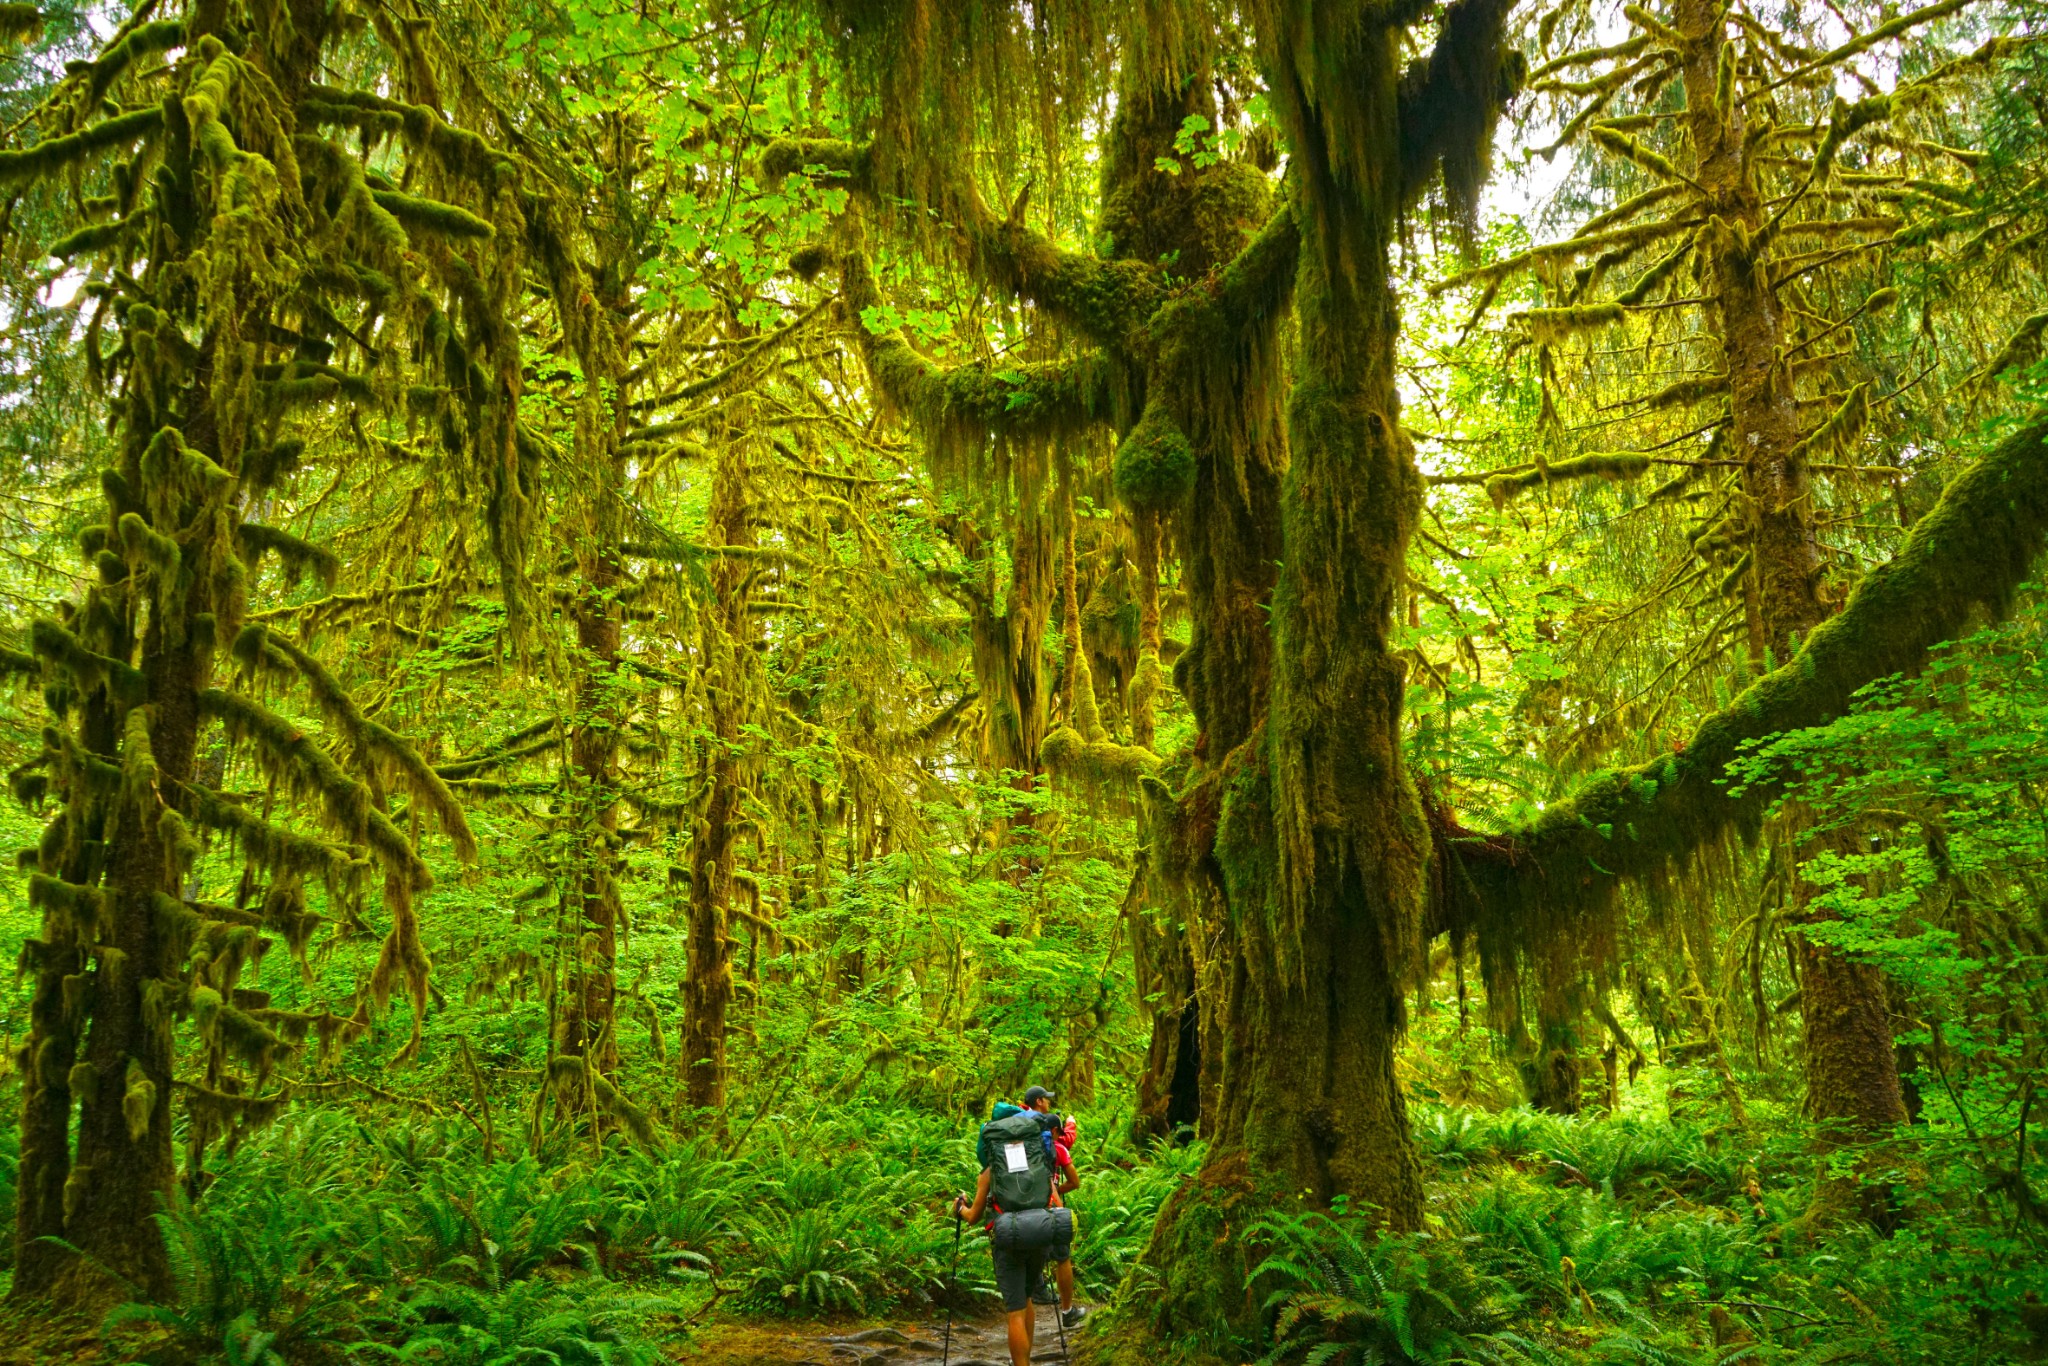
[975,1342]
[33,1339]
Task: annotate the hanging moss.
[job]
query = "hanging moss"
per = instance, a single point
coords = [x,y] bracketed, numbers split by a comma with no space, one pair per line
[143,40]
[301,762]
[1841,428]
[145,548]
[1067,754]
[138,1101]
[294,556]
[263,467]
[20,23]
[991,429]
[255,647]
[78,909]
[1451,100]
[277,848]
[86,668]
[432,217]
[174,474]
[94,237]
[1550,325]
[1663,269]
[2021,348]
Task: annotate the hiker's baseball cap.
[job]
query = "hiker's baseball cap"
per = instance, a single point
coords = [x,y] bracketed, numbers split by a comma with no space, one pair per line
[1035,1095]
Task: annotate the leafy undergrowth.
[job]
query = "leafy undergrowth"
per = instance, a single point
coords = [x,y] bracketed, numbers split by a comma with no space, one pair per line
[1623,1239]
[326,1239]
[1637,1239]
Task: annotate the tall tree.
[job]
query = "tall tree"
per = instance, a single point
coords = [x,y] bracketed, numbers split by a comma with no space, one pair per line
[1295,831]
[256,274]
[1760,217]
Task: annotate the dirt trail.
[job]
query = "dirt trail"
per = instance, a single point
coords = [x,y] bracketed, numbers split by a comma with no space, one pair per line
[976,1342]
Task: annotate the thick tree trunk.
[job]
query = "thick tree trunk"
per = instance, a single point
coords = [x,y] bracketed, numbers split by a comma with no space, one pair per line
[1348,834]
[52,1047]
[45,1063]
[1555,1075]
[1852,1075]
[123,1170]
[1318,835]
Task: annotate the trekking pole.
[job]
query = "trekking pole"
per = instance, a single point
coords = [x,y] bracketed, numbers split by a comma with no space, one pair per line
[952,1285]
[1059,1317]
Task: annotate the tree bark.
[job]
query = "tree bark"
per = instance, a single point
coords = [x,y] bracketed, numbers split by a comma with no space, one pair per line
[589,1014]
[1169,1089]
[708,987]
[1852,1064]
[589,1018]
[52,1047]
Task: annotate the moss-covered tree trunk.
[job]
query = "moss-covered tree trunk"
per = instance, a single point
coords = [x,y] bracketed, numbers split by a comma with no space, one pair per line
[1553,1071]
[1322,840]
[59,955]
[123,1165]
[256,257]
[1169,1089]
[1310,825]
[1852,1075]
[589,1004]
[1764,419]
[592,908]
[1852,1064]
[708,985]
[174,530]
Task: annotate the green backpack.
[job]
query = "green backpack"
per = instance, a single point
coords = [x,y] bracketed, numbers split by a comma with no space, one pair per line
[1013,1149]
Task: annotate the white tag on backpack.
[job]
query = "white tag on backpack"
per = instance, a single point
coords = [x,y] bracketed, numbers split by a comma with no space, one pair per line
[1015,1158]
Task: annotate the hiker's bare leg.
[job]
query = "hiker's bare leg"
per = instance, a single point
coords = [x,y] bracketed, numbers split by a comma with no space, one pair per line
[1022,1321]
[1064,1272]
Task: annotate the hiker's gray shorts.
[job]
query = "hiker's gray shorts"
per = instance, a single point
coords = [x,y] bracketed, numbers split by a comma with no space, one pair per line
[1016,1274]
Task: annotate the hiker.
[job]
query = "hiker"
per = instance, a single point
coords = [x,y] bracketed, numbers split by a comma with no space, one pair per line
[1066,1182]
[1059,1141]
[1016,1183]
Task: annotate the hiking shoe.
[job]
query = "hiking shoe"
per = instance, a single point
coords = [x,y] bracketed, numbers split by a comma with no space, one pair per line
[1071,1318]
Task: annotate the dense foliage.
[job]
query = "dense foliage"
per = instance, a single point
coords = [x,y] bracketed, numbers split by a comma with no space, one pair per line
[614,618]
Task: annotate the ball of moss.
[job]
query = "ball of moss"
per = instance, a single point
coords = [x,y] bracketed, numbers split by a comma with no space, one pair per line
[1155,465]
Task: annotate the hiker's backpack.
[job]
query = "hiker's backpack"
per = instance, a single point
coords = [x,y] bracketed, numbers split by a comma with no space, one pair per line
[1020,1169]
[1004,1110]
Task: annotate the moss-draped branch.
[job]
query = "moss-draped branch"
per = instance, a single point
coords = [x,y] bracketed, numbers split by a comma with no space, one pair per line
[259,648]
[976,400]
[1106,301]
[1650,821]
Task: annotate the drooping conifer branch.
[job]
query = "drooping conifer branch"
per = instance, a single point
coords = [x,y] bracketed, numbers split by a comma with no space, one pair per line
[259,648]
[302,763]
